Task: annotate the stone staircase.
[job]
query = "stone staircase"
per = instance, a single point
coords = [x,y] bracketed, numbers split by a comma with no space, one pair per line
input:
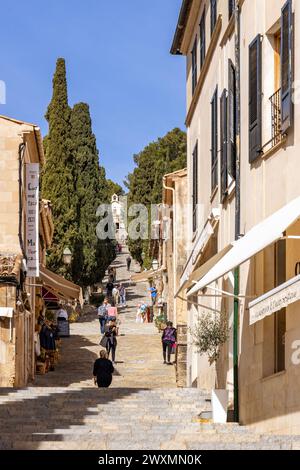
[118,419]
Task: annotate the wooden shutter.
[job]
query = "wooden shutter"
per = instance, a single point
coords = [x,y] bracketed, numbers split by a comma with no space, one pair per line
[255,99]
[202,40]
[231,119]
[286,65]
[231,5]
[223,142]
[213,15]
[194,66]
[214,141]
[195,186]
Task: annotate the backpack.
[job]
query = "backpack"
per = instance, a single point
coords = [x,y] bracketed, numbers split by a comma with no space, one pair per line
[169,335]
[102,311]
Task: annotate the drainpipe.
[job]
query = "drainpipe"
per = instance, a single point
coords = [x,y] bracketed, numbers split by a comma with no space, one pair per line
[237,215]
[174,251]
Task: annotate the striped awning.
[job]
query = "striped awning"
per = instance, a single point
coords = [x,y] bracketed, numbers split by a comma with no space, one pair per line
[60,286]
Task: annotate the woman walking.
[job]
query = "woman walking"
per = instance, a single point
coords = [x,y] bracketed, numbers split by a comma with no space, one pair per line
[103,370]
[111,332]
[168,338]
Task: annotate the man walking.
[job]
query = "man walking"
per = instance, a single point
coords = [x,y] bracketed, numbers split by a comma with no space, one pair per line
[103,314]
[153,293]
[128,261]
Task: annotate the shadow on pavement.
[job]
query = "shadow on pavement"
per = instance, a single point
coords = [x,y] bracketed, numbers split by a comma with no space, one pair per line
[37,419]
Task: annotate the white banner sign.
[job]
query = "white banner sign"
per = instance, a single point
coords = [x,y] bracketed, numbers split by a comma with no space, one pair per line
[32,218]
[275,300]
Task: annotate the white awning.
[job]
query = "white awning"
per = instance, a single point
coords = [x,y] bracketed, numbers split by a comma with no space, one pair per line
[259,237]
[6,312]
[146,275]
[202,270]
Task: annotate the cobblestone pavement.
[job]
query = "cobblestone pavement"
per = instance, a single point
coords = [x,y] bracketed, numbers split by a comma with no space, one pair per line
[142,409]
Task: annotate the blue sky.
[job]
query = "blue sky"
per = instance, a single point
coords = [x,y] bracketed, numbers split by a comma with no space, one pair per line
[118,61]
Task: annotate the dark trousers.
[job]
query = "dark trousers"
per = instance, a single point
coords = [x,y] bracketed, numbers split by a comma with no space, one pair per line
[111,347]
[167,348]
[102,322]
[104,380]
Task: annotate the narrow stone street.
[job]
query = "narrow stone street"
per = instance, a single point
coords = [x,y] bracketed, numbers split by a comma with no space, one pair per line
[142,409]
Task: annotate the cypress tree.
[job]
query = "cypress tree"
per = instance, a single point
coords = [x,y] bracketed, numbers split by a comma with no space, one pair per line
[58,176]
[92,255]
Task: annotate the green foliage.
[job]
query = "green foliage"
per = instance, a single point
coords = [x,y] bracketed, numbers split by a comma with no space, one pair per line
[90,257]
[144,184]
[58,175]
[76,185]
[160,322]
[209,334]
[114,188]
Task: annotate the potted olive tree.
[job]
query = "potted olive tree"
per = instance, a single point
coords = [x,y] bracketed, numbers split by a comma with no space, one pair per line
[210,333]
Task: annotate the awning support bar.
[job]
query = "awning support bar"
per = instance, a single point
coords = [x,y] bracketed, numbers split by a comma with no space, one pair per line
[199,305]
[229,294]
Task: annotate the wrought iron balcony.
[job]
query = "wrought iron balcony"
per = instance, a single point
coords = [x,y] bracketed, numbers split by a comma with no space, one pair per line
[275,130]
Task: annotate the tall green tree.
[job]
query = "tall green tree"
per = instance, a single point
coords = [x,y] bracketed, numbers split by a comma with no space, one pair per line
[75,184]
[91,254]
[114,188]
[144,184]
[58,182]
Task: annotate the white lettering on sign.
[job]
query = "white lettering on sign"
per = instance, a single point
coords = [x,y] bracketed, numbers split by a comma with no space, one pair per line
[275,300]
[32,218]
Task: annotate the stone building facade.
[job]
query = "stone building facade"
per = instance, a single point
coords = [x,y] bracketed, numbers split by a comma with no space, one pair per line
[20,144]
[243,236]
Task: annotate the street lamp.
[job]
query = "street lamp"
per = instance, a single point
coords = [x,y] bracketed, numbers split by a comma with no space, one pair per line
[155,265]
[67,255]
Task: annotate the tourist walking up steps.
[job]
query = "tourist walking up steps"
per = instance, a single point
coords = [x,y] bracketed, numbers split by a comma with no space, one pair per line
[122,293]
[103,314]
[168,338]
[110,339]
[128,262]
[103,370]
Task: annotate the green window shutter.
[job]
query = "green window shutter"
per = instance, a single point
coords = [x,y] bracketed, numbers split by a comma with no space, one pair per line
[231,119]
[194,66]
[214,141]
[223,144]
[195,186]
[255,99]
[202,40]
[286,66]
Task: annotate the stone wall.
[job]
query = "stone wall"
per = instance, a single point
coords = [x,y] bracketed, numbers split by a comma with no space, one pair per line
[181,356]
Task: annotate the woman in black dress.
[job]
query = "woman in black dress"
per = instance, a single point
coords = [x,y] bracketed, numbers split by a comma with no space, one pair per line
[103,370]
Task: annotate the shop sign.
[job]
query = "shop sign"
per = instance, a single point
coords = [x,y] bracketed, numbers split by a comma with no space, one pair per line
[32,218]
[275,300]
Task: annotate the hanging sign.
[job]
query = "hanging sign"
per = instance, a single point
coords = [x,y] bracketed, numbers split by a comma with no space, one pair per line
[275,300]
[32,218]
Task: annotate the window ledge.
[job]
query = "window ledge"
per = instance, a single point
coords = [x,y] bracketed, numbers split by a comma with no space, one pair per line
[229,193]
[273,376]
[214,193]
[229,31]
[274,149]
[204,70]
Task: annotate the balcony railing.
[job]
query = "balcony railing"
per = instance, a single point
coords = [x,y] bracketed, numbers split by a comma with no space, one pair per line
[275,131]
[276,117]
